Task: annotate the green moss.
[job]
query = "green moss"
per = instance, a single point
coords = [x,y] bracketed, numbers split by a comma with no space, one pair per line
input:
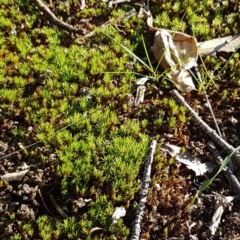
[73,96]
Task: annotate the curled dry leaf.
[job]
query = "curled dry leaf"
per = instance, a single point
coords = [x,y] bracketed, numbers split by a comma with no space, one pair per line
[176,52]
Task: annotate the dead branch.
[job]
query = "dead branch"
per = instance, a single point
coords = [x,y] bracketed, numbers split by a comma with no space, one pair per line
[207,129]
[50,15]
[136,229]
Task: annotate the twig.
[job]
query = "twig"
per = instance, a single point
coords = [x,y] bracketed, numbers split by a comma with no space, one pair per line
[50,15]
[60,211]
[125,16]
[206,97]
[40,195]
[235,185]
[69,28]
[207,129]
[136,229]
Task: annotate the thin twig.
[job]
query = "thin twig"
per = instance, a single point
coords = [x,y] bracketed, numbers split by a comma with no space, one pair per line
[40,195]
[50,15]
[136,229]
[207,129]
[208,102]
[18,151]
[125,16]
[60,211]
[209,106]
[235,185]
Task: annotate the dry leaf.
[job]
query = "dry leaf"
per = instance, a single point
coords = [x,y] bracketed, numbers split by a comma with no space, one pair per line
[139,95]
[16,176]
[224,44]
[177,52]
[195,164]
[220,206]
[173,150]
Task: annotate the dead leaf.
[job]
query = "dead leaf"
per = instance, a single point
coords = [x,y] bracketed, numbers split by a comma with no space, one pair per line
[16,176]
[173,150]
[195,164]
[224,44]
[176,52]
[139,95]
[220,206]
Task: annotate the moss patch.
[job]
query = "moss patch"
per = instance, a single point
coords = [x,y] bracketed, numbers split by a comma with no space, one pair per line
[66,105]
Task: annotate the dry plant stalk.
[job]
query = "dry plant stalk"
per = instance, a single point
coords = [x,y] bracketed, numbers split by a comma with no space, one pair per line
[95,229]
[207,129]
[44,204]
[136,229]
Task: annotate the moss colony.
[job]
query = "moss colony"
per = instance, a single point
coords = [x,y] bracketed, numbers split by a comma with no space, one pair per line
[66,111]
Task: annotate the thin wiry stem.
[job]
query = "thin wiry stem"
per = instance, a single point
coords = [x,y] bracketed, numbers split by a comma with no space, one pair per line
[233,181]
[136,229]
[127,15]
[207,129]
[208,103]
